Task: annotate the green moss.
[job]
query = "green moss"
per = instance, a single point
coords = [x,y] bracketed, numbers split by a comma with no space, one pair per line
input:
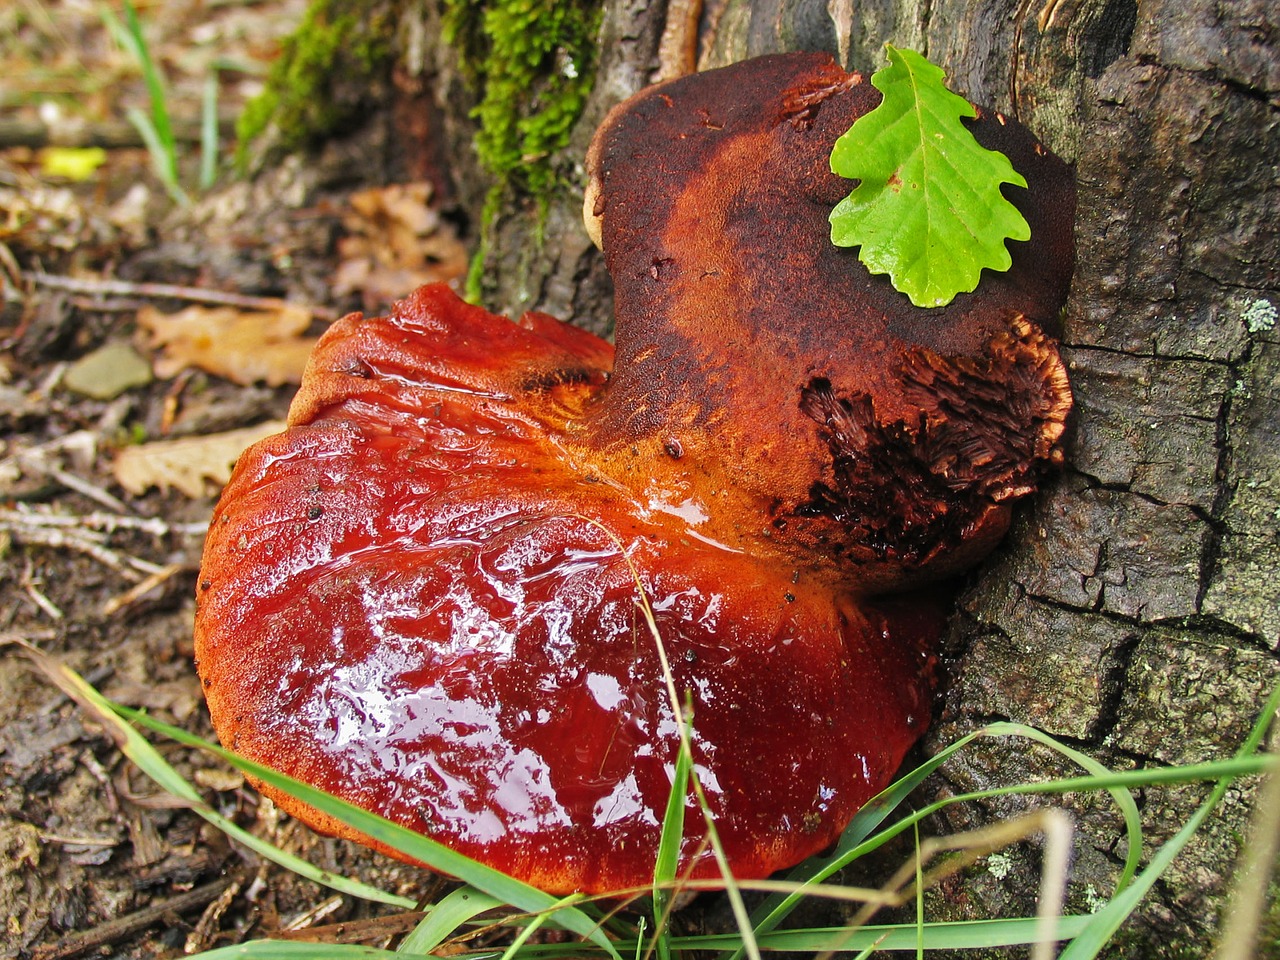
[533,63]
[318,82]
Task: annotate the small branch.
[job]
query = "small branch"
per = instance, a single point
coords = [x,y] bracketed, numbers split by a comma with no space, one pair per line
[106,522]
[79,485]
[79,841]
[113,931]
[109,134]
[40,460]
[125,288]
[141,589]
[356,931]
[27,528]
[206,929]
[50,609]
[320,911]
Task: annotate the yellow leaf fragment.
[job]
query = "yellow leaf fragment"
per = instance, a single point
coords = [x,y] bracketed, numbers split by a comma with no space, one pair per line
[71,163]
[196,466]
[244,346]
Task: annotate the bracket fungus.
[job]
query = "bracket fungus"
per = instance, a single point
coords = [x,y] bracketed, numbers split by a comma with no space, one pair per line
[422,597]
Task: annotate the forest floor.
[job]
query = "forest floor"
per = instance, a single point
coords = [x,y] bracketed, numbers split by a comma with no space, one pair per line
[122,405]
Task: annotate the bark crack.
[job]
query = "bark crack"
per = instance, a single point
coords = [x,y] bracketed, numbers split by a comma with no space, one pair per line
[1114,684]
[1211,554]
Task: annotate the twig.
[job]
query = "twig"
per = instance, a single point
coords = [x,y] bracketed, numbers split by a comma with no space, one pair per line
[39,460]
[79,841]
[321,910]
[12,272]
[19,525]
[51,610]
[125,288]
[110,134]
[206,928]
[106,522]
[356,931]
[26,638]
[141,589]
[82,487]
[113,931]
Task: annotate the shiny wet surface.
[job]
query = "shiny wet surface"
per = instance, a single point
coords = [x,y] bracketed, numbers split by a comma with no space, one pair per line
[427,607]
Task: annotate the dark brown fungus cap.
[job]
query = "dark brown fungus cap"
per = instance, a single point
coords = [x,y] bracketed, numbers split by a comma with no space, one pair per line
[888,434]
[422,596]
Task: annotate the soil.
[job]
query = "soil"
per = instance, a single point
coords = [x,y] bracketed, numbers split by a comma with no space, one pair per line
[94,859]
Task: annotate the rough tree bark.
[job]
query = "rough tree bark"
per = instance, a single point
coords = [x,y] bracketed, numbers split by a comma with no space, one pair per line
[1135,609]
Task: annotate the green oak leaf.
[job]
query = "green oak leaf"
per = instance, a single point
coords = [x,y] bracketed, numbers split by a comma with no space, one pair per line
[928,211]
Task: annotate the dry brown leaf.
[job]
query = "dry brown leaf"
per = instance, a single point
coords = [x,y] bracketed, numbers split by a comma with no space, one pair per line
[245,346]
[395,242]
[197,466]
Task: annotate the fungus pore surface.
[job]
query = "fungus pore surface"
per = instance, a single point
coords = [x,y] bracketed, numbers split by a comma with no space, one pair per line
[422,597]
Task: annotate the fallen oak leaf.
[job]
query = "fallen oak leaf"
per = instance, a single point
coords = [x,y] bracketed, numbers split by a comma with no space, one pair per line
[395,242]
[196,466]
[244,346]
[928,209]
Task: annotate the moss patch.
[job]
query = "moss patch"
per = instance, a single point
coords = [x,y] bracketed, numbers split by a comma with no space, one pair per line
[533,63]
[324,74]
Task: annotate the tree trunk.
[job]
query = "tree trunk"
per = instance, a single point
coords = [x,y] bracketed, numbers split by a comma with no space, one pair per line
[1134,611]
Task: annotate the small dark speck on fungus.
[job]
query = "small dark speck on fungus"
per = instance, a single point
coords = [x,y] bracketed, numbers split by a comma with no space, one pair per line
[455,646]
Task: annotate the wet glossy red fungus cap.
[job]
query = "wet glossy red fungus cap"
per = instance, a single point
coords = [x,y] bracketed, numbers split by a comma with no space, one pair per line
[421,596]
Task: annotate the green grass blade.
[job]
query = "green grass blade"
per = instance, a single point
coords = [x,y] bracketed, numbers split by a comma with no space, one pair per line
[962,935]
[136,747]
[859,840]
[1107,921]
[411,844]
[119,34]
[919,897]
[734,895]
[161,161]
[875,811]
[1135,778]
[156,130]
[445,917]
[668,859]
[774,909]
[209,131]
[1122,797]
[155,82]
[969,934]
[523,935]
[854,841]
[299,950]
[1238,766]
